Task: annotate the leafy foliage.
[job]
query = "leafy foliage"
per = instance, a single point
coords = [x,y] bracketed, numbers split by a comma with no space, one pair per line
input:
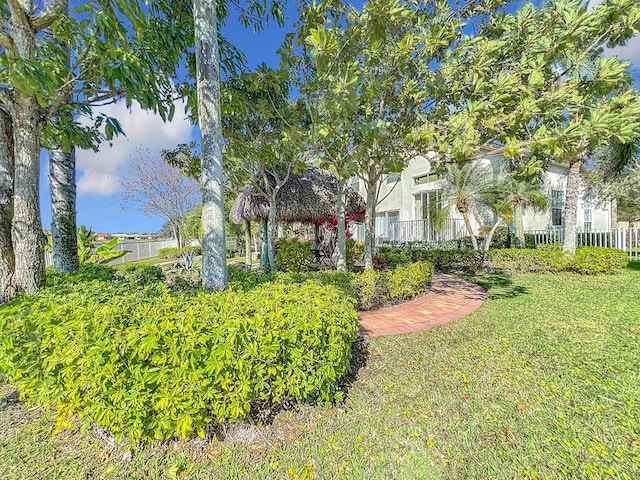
[446,261]
[293,255]
[586,260]
[596,260]
[140,275]
[151,364]
[408,281]
[174,253]
[89,253]
[354,252]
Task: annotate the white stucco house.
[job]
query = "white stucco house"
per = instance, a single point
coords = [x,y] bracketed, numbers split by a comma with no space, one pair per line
[403,210]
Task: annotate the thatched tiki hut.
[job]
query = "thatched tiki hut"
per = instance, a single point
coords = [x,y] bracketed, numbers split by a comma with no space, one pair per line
[306,197]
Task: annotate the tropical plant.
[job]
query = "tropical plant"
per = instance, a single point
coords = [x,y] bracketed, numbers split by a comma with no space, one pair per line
[88,252]
[537,85]
[470,188]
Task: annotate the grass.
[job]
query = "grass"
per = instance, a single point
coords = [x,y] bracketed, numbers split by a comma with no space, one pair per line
[542,382]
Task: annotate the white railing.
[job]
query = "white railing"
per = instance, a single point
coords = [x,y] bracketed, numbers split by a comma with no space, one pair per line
[406,231]
[626,239]
[137,251]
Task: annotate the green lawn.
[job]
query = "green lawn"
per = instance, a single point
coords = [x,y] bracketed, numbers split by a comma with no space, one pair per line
[542,382]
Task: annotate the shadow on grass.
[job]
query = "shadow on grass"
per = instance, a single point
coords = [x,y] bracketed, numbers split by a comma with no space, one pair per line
[498,284]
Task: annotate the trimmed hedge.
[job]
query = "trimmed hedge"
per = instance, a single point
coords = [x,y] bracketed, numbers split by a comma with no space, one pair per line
[174,253]
[524,260]
[151,364]
[596,260]
[445,261]
[372,288]
[587,260]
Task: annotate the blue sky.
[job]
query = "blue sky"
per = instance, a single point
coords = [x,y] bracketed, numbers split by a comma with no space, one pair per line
[100,200]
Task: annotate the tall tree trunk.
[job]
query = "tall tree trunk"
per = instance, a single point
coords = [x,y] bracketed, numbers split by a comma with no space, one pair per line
[7,165]
[247,243]
[571,207]
[370,226]
[487,241]
[467,222]
[214,254]
[341,266]
[271,233]
[264,245]
[27,225]
[62,183]
[518,223]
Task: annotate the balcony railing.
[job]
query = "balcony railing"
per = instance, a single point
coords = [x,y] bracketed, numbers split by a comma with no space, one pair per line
[406,231]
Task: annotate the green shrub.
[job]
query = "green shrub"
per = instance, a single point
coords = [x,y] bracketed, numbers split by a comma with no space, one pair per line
[355,252]
[529,240]
[174,253]
[502,238]
[140,275]
[371,289]
[446,261]
[151,364]
[409,281]
[528,260]
[242,279]
[595,260]
[293,255]
[395,256]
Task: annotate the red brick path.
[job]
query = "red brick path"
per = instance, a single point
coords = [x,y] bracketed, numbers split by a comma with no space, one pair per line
[450,298]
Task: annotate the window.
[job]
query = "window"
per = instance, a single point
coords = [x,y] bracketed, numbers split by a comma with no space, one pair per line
[427,203]
[557,207]
[588,213]
[393,177]
[430,177]
[383,221]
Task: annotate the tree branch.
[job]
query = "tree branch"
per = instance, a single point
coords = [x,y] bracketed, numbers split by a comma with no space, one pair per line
[45,18]
[18,14]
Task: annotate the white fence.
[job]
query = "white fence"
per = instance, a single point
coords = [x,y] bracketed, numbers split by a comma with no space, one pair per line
[424,231]
[137,251]
[626,239]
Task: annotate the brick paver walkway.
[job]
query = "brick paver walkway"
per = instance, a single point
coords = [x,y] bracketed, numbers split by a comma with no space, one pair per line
[450,298]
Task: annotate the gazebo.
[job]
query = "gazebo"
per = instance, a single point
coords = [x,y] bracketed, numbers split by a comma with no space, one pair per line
[307,197]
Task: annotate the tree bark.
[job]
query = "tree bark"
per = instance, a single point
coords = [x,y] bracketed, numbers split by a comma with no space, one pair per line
[518,224]
[271,233]
[27,225]
[247,243]
[341,265]
[487,241]
[214,255]
[7,166]
[571,207]
[370,226]
[62,183]
[467,222]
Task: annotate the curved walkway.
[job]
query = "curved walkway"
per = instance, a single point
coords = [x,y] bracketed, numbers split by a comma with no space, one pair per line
[450,298]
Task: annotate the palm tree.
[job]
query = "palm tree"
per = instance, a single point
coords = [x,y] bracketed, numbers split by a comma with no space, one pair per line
[519,195]
[470,188]
[214,257]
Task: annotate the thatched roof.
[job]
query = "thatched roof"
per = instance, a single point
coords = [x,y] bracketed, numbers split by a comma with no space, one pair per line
[306,197]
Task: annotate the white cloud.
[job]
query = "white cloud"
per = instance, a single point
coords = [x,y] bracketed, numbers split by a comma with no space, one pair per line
[630,51]
[100,171]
